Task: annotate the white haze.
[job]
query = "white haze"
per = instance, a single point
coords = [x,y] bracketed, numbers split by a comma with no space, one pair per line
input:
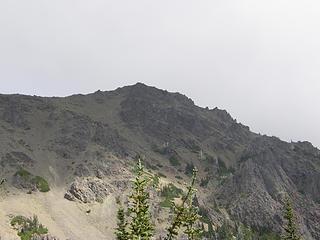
[259,60]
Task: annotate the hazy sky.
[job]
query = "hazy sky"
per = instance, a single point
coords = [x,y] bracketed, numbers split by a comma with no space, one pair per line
[258,59]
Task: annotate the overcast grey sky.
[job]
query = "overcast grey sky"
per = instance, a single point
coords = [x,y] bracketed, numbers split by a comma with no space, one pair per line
[258,59]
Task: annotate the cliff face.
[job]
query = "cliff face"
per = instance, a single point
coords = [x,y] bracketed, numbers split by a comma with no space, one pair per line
[70,141]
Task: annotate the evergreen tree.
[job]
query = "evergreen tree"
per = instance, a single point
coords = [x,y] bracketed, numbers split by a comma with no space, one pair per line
[190,219]
[121,231]
[140,225]
[185,216]
[290,229]
[191,215]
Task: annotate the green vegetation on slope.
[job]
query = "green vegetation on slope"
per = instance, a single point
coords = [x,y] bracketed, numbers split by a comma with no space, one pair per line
[43,184]
[140,226]
[174,161]
[290,229]
[23,173]
[28,226]
[168,193]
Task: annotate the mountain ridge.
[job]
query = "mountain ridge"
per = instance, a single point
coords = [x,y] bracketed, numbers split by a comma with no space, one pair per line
[72,140]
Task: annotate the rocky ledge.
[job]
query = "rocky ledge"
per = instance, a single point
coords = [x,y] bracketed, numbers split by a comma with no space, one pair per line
[87,190]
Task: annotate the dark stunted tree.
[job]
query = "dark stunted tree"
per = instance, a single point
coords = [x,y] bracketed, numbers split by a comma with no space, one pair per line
[290,229]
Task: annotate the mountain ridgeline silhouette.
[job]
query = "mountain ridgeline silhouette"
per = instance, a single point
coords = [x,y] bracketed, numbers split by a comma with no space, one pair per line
[86,146]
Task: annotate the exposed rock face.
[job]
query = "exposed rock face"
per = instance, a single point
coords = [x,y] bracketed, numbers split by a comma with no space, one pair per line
[43,237]
[246,174]
[16,159]
[81,171]
[24,183]
[78,131]
[153,112]
[87,190]
[14,113]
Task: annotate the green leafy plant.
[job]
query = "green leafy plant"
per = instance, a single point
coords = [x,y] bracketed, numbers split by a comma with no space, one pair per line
[23,173]
[28,227]
[43,184]
[17,220]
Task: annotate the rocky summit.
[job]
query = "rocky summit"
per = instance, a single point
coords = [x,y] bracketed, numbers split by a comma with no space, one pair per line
[71,160]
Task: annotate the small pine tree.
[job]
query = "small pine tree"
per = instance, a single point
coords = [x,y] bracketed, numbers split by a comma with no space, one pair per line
[190,219]
[185,216]
[121,232]
[140,225]
[290,229]
[191,216]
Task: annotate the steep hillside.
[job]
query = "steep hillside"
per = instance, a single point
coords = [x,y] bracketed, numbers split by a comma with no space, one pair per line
[84,146]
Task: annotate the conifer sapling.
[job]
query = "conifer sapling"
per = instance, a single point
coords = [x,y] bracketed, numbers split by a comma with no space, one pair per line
[140,225]
[185,216]
[290,229]
[121,232]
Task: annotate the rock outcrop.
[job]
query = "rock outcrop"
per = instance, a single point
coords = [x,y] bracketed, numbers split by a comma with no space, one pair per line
[87,190]
[43,237]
